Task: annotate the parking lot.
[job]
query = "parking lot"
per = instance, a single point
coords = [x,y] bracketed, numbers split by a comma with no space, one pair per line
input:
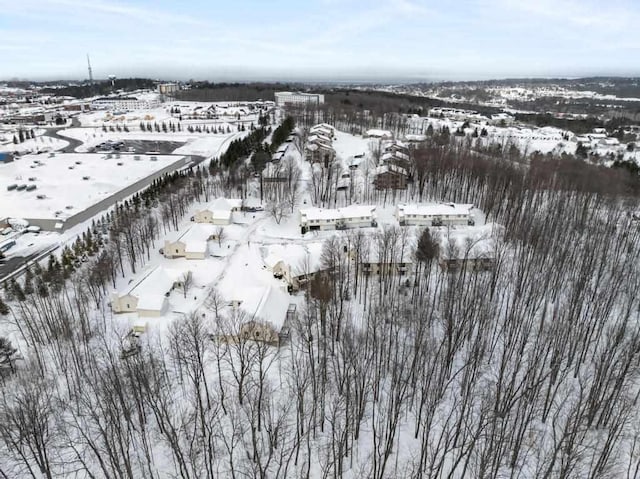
[142,146]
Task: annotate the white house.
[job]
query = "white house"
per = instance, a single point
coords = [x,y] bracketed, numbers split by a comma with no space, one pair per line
[354,216]
[295,264]
[192,244]
[218,212]
[149,297]
[262,311]
[440,214]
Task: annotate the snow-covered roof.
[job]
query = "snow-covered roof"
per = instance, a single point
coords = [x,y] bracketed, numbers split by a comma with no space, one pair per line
[353,211]
[438,209]
[322,127]
[394,155]
[151,289]
[263,303]
[376,133]
[195,247]
[416,138]
[224,204]
[301,258]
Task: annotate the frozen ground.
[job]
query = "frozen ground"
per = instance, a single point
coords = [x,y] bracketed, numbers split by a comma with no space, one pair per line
[39,143]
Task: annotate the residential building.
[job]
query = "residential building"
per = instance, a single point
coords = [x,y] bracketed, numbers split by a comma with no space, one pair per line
[149,297]
[354,216]
[219,212]
[295,264]
[391,262]
[390,177]
[263,312]
[440,214]
[287,98]
[192,244]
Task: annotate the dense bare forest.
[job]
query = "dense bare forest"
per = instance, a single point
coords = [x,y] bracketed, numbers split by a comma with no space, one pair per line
[529,369]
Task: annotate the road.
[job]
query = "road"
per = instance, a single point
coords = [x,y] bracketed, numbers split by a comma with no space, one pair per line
[73,143]
[10,265]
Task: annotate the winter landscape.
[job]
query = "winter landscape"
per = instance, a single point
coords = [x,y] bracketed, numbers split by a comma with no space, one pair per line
[340,267]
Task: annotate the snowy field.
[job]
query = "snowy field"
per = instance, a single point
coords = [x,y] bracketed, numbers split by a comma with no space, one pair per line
[61,180]
[39,143]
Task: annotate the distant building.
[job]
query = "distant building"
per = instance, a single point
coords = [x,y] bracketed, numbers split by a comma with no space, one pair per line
[376,133]
[168,88]
[287,98]
[123,103]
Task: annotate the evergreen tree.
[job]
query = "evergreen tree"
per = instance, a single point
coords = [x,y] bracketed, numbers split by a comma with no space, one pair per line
[28,282]
[18,293]
[21,136]
[15,140]
[4,309]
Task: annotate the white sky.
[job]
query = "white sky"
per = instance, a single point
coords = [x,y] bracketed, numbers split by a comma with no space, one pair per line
[319,39]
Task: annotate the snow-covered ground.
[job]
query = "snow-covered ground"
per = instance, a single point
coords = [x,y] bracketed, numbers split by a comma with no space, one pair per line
[39,143]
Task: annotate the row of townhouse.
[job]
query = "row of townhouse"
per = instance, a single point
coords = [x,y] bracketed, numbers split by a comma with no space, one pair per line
[319,144]
[364,216]
[393,172]
[321,219]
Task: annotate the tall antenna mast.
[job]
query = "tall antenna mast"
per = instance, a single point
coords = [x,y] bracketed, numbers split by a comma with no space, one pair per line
[90,71]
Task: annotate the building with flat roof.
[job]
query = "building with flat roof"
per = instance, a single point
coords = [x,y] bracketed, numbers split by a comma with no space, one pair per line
[354,216]
[124,103]
[287,98]
[439,214]
[61,190]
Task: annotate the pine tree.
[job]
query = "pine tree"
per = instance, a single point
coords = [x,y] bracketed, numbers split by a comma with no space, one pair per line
[28,282]
[17,290]
[21,136]
[15,140]
[4,309]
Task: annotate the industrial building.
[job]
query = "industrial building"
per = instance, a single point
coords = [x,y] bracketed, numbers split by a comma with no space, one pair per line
[287,98]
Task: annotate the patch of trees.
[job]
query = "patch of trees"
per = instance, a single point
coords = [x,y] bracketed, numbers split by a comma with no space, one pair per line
[242,148]
[210,91]
[281,133]
[101,87]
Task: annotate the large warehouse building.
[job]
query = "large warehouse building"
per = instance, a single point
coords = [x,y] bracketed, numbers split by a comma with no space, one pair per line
[64,189]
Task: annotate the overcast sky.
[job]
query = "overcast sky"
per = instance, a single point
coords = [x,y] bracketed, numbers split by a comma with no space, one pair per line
[319,39]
